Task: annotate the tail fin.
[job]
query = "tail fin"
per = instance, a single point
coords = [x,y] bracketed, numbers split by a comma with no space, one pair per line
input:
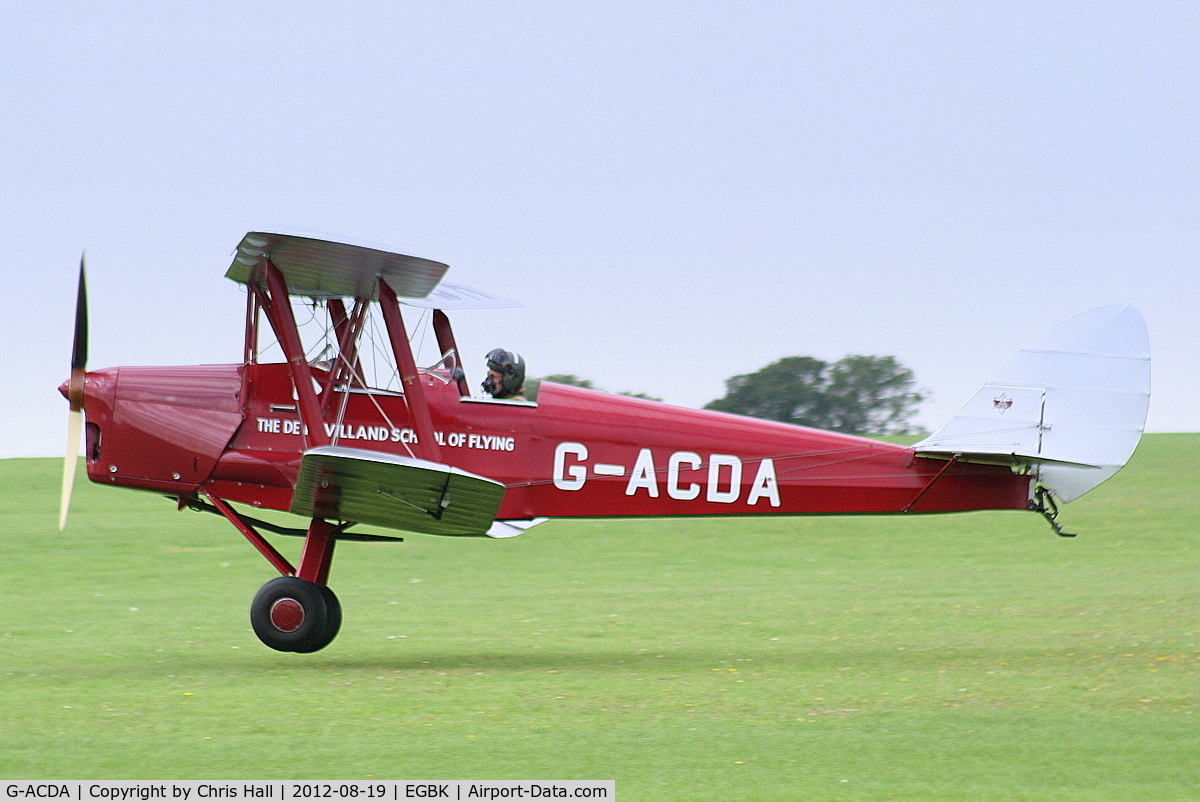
[1070,407]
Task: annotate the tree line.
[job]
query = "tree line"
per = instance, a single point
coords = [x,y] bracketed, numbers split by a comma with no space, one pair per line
[857,394]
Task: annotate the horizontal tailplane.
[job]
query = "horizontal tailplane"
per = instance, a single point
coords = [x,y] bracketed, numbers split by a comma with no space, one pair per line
[1070,407]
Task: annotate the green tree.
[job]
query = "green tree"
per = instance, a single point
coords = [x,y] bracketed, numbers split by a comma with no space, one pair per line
[857,394]
[790,390]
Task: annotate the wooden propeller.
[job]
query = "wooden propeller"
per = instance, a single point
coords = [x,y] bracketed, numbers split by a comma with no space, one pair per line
[75,397]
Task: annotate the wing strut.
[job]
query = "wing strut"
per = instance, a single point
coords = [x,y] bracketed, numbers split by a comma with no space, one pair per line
[346,367]
[279,310]
[410,377]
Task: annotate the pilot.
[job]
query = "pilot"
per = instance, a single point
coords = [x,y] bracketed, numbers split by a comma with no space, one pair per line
[505,375]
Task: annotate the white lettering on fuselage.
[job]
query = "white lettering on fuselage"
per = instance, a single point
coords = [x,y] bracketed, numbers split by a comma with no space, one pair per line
[722,475]
[378,434]
[280,426]
[391,434]
[486,442]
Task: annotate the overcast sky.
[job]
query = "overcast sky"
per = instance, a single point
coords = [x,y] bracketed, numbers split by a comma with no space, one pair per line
[677,192]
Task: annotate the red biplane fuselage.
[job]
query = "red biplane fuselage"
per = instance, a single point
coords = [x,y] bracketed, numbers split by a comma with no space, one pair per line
[315,437]
[233,431]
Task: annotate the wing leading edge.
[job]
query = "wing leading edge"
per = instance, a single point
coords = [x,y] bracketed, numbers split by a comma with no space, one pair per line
[315,267]
[319,268]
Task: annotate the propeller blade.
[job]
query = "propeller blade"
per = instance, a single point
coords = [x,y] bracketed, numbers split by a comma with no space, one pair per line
[75,397]
[74,431]
[79,348]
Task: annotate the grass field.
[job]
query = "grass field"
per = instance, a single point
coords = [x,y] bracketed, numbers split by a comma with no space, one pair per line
[958,657]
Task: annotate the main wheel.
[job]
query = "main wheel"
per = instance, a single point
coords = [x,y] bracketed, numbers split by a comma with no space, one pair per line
[293,615]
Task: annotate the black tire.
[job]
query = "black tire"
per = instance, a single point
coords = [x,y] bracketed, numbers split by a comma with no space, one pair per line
[333,609]
[293,615]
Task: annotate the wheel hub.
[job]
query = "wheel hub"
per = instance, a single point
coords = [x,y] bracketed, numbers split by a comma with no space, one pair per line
[287,615]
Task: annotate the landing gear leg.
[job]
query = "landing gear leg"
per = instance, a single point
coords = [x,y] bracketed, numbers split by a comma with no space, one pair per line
[300,613]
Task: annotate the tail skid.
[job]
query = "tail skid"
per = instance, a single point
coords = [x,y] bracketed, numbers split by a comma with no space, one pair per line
[1070,407]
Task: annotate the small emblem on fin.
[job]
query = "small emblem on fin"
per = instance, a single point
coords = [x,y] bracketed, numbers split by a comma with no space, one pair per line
[1002,402]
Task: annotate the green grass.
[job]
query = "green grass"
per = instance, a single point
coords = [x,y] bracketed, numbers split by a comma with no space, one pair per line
[957,657]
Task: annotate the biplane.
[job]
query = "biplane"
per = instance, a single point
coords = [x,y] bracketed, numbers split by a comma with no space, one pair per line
[320,431]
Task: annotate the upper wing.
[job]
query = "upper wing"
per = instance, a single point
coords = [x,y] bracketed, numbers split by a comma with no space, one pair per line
[319,268]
